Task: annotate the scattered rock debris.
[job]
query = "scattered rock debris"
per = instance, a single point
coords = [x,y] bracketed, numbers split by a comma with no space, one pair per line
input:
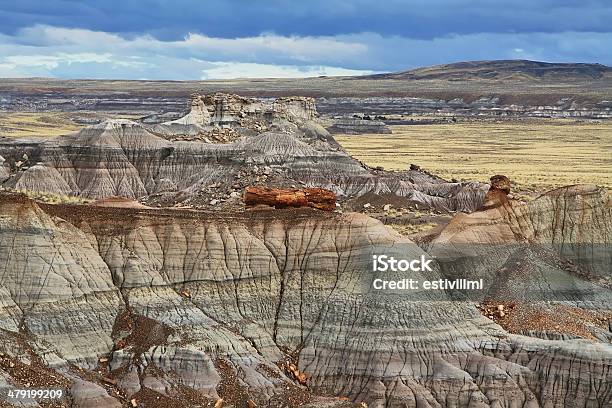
[30,370]
[554,318]
[144,332]
[33,375]
[148,398]
[231,389]
[292,370]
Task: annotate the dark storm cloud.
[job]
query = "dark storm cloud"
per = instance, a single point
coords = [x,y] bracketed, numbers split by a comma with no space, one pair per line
[421,19]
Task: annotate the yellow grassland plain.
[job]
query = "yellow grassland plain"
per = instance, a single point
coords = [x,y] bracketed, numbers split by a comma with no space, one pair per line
[536,155]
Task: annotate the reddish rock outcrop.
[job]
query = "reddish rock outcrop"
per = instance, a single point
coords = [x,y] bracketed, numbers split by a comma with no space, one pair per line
[498,192]
[281,198]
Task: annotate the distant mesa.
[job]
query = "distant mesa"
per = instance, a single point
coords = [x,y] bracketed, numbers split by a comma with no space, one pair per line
[358,124]
[223,118]
[502,70]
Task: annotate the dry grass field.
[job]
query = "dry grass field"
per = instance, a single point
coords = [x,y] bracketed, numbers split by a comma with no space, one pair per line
[535,154]
[46,124]
[23,124]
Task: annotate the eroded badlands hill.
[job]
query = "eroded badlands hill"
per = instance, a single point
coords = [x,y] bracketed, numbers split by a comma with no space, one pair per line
[183,306]
[237,142]
[117,301]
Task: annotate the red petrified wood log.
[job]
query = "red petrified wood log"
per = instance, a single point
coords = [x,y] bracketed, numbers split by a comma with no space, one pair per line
[281,198]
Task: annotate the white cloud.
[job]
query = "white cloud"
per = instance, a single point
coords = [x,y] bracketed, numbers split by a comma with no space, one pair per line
[53,61]
[296,48]
[65,52]
[231,70]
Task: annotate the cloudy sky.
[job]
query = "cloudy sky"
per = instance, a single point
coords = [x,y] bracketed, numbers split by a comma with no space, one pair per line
[220,39]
